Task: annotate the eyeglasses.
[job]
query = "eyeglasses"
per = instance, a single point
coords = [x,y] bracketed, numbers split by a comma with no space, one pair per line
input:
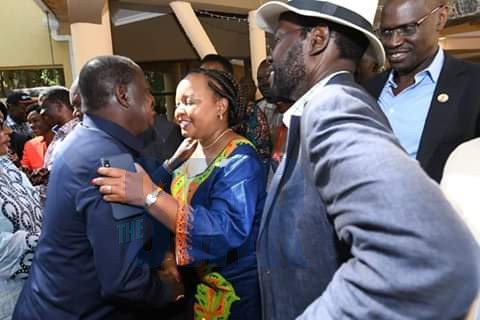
[405,30]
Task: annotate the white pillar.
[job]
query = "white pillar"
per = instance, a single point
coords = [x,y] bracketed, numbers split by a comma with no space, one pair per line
[90,40]
[258,44]
[193,28]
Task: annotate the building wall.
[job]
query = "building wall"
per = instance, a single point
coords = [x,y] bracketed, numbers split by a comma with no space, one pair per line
[24,40]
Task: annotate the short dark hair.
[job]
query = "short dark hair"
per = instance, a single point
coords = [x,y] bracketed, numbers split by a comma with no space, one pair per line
[33,108]
[57,94]
[100,76]
[224,85]
[227,65]
[351,43]
[3,110]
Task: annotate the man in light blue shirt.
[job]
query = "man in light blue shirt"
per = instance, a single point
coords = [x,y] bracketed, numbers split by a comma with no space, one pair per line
[429,97]
[408,109]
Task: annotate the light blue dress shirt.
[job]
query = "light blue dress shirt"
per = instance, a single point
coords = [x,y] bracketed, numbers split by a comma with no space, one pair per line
[408,110]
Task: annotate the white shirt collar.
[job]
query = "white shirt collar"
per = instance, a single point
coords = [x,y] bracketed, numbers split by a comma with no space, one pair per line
[297,108]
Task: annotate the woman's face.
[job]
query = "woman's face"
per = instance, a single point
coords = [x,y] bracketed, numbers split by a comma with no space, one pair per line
[198,108]
[4,136]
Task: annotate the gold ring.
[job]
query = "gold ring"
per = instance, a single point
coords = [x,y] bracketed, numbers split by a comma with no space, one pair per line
[109,189]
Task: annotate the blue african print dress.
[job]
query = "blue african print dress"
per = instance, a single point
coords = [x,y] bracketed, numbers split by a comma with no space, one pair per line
[216,231]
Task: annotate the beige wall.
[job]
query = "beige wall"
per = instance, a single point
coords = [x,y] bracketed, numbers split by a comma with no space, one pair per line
[24,41]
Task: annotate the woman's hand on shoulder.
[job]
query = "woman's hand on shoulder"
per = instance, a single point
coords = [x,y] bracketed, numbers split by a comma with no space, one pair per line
[184,151]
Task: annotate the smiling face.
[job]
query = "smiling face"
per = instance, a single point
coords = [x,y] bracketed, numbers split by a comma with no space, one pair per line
[38,124]
[410,54]
[198,108]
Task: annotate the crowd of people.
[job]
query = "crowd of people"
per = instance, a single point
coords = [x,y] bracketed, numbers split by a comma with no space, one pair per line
[319,201]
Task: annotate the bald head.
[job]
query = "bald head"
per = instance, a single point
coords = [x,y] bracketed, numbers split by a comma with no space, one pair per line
[99,78]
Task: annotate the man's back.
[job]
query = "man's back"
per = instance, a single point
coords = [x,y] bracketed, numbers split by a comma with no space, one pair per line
[84,266]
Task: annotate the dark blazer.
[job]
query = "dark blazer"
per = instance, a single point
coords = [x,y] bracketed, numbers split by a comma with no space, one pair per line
[450,123]
[162,140]
[353,228]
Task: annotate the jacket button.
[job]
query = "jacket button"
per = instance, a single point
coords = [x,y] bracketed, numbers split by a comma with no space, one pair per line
[267,272]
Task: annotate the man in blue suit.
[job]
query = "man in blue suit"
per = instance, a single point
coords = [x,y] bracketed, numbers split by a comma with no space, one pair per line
[352,227]
[88,264]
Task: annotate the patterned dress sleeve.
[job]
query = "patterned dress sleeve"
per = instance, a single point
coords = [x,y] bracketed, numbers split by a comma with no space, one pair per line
[20,221]
[16,253]
[208,231]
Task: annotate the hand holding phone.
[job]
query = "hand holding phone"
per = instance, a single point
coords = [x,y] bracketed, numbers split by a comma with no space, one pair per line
[123,161]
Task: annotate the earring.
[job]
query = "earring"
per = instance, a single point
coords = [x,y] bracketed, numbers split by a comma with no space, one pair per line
[220,115]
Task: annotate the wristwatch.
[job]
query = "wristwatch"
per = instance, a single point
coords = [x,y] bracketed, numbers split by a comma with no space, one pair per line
[152,197]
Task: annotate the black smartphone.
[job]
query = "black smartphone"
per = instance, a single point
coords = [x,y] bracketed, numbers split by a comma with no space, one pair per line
[122,161]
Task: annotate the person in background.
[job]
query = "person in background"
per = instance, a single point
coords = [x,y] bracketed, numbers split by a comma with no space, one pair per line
[76,99]
[429,97]
[20,226]
[17,102]
[274,110]
[87,264]
[353,228]
[36,148]
[368,68]
[216,62]
[163,139]
[274,117]
[17,141]
[216,199]
[56,106]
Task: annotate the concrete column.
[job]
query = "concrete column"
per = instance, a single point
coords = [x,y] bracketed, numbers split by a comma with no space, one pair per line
[193,28]
[258,46]
[91,40]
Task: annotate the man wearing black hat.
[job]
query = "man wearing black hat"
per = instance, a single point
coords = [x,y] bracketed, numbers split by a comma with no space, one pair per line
[17,103]
[352,227]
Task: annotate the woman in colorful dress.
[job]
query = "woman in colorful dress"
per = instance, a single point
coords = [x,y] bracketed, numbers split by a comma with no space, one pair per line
[20,223]
[216,201]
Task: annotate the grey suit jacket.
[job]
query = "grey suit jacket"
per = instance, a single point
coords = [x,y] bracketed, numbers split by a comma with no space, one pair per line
[353,228]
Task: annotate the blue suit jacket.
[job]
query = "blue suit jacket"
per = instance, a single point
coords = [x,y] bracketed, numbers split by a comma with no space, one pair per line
[88,265]
[353,228]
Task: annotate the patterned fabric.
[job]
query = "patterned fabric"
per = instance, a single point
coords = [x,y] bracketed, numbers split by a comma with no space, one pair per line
[215,296]
[183,189]
[60,135]
[38,178]
[219,212]
[255,128]
[274,118]
[20,225]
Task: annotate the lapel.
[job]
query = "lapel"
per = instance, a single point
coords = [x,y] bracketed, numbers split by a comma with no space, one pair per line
[441,114]
[293,141]
[292,153]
